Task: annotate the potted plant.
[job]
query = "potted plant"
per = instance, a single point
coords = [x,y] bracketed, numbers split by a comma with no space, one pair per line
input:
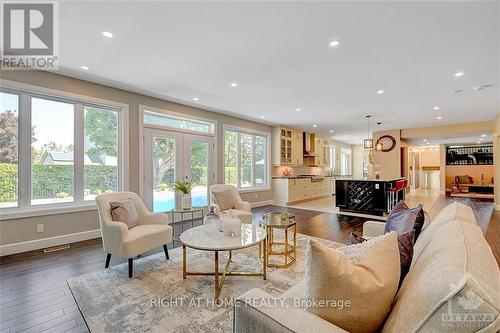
[184,186]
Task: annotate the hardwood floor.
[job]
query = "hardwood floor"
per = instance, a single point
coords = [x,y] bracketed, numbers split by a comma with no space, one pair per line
[34,296]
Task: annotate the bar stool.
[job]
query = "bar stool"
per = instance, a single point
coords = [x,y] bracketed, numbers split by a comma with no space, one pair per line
[393,193]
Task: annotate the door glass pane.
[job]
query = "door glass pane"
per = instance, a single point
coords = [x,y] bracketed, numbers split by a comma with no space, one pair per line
[101,152]
[230,172]
[52,151]
[164,174]
[260,160]
[199,172]
[178,122]
[9,106]
[246,160]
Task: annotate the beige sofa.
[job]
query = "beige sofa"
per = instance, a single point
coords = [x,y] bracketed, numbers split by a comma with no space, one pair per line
[453,286]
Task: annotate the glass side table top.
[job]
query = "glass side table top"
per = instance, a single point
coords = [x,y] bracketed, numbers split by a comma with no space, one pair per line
[278,220]
[187,210]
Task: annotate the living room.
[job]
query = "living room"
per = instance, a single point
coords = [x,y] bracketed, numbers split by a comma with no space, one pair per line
[250,166]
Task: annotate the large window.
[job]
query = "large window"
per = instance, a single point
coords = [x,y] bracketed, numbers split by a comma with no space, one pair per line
[55,150]
[9,151]
[246,161]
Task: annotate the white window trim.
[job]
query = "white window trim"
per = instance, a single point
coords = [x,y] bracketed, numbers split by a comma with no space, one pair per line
[24,208]
[142,125]
[239,130]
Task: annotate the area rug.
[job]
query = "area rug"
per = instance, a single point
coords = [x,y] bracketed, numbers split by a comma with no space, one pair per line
[157,299]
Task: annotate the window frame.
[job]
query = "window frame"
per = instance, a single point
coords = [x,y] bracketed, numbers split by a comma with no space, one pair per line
[25,92]
[267,164]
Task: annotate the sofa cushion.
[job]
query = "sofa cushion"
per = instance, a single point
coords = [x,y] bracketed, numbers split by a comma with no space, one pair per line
[366,274]
[124,211]
[455,278]
[402,219]
[450,213]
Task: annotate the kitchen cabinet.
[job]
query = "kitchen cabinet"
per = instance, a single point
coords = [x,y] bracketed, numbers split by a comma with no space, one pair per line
[294,190]
[287,146]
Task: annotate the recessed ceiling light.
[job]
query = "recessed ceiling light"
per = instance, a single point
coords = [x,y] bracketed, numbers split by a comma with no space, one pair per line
[380,92]
[331,131]
[436,108]
[345,136]
[196,99]
[480,139]
[459,91]
[483,135]
[233,84]
[107,34]
[85,68]
[439,118]
[458,74]
[428,143]
[263,117]
[334,43]
[478,142]
[315,126]
[298,109]
[424,140]
[476,88]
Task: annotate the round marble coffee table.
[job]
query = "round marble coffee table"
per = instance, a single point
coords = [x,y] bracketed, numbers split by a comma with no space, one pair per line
[208,238]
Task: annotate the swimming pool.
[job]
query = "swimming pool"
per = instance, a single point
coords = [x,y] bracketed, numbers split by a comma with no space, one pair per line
[163,201]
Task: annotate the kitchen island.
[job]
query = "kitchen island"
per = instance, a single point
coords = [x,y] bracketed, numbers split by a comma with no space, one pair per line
[368,196]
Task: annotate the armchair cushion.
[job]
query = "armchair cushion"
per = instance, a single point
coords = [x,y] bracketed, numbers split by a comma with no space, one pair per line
[224,198]
[125,212]
[141,238]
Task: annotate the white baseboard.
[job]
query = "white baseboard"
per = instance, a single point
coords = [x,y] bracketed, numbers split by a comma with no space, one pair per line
[496,206]
[48,242]
[261,203]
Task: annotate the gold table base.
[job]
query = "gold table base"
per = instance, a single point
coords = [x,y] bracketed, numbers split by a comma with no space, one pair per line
[289,253]
[219,282]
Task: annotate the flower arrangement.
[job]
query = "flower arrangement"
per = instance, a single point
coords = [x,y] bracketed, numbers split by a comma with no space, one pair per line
[181,185]
[287,172]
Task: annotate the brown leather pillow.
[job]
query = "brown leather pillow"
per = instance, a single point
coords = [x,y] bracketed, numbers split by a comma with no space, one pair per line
[402,219]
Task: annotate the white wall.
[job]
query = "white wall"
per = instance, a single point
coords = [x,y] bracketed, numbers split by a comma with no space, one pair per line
[358,157]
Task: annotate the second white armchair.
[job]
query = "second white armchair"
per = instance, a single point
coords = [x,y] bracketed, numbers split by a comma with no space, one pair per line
[225,198]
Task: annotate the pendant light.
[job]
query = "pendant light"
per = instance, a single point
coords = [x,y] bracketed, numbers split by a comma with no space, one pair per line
[378,145]
[368,143]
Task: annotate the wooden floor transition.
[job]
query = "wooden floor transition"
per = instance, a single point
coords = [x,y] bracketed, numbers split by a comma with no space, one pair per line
[34,296]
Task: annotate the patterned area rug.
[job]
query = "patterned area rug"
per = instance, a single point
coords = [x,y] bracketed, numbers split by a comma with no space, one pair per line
[157,299]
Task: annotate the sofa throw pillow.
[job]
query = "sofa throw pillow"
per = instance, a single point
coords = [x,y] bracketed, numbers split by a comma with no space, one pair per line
[125,212]
[358,282]
[224,198]
[405,246]
[402,219]
[354,238]
[463,179]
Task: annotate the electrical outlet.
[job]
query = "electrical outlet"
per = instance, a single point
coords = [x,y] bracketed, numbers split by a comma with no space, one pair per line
[39,228]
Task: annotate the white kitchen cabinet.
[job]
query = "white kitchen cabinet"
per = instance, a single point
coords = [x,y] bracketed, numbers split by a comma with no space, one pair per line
[287,146]
[294,190]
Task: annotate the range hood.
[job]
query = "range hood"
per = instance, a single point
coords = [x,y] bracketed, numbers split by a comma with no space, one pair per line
[308,139]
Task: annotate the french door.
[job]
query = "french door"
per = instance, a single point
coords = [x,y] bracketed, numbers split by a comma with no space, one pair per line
[171,155]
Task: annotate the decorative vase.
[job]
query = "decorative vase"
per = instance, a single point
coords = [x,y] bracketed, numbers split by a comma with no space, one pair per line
[186,201]
[212,219]
[231,225]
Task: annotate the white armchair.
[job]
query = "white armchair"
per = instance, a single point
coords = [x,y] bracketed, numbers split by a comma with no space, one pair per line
[153,229]
[241,209]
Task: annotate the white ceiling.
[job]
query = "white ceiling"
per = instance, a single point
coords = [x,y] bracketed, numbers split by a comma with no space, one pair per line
[279,54]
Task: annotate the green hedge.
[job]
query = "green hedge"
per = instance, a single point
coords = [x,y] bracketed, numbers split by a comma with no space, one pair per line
[50,181]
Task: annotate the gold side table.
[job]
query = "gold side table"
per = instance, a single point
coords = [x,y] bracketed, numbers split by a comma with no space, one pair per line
[182,212]
[285,222]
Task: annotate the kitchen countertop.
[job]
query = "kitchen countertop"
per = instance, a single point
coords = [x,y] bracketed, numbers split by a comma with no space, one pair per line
[375,180]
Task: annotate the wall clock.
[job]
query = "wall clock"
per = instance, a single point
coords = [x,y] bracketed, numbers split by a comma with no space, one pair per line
[388,143]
